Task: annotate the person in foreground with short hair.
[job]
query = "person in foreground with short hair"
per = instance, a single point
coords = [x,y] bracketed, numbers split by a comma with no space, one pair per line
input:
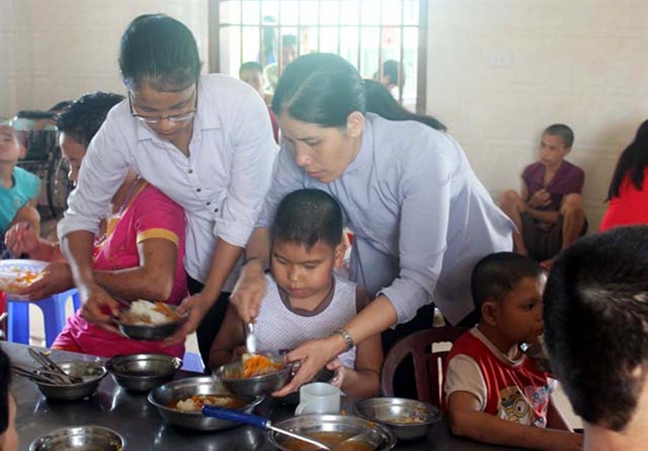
[305,300]
[492,391]
[596,317]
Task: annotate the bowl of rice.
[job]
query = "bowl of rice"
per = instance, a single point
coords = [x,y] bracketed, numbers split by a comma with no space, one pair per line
[146,320]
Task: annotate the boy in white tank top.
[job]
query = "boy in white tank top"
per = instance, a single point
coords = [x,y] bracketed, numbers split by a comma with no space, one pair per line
[304,300]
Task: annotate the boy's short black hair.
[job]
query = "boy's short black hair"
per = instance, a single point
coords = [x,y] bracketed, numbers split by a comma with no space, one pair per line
[5,379]
[563,131]
[83,118]
[307,216]
[596,324]
[496,275]
[251,65]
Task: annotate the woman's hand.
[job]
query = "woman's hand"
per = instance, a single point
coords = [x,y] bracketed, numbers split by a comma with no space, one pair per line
[313,355]
[249,290]
[56,278]
[98,306]
[21,238]
[196,306]
[339,369]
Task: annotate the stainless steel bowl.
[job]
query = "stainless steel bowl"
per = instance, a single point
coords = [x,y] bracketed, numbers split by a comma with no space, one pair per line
[344,424]
[90,372]
[229,374]
[151,332]
[95,438]
[162,397]
[389,411]
[143,372]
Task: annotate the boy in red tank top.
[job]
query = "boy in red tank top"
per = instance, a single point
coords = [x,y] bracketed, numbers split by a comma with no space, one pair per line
[493,392]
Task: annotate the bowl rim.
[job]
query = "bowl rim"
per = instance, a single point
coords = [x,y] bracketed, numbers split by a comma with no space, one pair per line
[34,443]
[182,318]
[434,411]
[175,361]
[254,400]
[102,368]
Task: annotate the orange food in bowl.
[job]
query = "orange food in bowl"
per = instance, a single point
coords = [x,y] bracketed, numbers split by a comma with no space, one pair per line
[258,365]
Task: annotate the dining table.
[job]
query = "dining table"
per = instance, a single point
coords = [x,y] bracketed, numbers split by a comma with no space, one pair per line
[139,422]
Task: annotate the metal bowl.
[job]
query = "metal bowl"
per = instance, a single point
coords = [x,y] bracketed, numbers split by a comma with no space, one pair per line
[229,374]
[90,372]
[174,391]
[389,411]
[94,438]
[151,332]
[344,424]
[143,372]
[537,353]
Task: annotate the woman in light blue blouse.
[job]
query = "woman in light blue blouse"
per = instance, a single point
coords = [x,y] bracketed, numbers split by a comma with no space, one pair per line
[420,216]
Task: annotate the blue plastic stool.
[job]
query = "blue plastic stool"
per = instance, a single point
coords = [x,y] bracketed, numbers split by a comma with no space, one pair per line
[192,362]
[54,317]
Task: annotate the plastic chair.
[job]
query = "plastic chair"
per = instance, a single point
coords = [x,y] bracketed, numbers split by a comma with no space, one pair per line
[429,365]
[54,316]
[193,362]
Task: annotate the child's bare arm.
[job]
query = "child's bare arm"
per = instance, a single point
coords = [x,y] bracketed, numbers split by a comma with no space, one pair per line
[555,418]
[230,336]
[28,214]
[467,420]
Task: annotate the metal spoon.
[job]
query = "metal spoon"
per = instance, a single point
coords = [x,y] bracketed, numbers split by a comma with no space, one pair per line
[250,339]
[255,420]
[368,437]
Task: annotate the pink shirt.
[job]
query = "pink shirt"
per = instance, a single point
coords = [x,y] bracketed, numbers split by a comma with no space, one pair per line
[150,214]
[568,179]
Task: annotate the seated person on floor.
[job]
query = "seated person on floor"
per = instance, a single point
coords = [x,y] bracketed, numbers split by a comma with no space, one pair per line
[596,317]
[18,189]
[138,257]
[8,434]
[305,300]
[492,392]
[549,212]
[252,74]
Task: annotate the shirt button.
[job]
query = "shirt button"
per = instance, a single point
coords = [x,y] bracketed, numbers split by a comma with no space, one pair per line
[198,190]
[208,203]
[216,210]
[190,171]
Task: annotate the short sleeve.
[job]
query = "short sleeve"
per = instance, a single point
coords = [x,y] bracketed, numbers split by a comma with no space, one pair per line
[157,216]
[464,375]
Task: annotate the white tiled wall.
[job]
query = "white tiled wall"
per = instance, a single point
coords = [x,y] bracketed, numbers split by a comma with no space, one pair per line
[499,71]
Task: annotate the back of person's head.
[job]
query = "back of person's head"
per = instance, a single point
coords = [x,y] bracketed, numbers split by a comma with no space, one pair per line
[596,324]
[83,118]
[252,66]
[496,275]
[61,106]
[5,379]
[160,51]
[563,132]
[390,71]
[307,216]
[288,40]
[324,89]
[632,162]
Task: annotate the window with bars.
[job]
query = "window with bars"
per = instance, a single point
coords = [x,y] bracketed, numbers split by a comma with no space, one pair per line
[384,39]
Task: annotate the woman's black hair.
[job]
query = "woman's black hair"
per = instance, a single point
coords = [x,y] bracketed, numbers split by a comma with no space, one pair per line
[323,89]
[632,162]
[160,51]
[5,379]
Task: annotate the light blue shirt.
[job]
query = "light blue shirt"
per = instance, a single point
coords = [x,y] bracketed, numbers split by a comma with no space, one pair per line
[25,188]
[220,185]
[420,216]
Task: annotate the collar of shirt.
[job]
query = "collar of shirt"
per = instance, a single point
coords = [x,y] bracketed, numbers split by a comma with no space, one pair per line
[364,156]
[205,118]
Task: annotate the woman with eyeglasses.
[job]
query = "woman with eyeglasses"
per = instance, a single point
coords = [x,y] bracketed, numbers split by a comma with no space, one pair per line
[204,141]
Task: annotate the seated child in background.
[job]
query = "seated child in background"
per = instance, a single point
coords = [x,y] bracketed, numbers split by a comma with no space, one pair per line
[252,74]
[8,434]
[596,316]
[493,392]
[304,299]
[549,212]
[18,188]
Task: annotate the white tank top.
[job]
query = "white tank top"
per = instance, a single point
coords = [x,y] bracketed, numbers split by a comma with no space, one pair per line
[278,328]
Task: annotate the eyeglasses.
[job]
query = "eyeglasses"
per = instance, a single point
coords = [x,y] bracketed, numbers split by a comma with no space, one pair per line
[172,118]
